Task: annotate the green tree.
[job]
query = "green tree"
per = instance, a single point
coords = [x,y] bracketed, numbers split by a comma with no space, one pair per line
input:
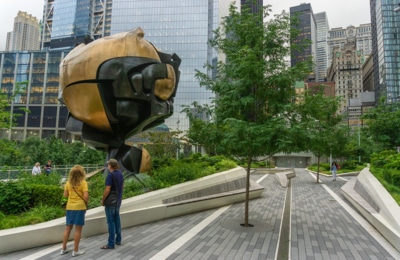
[7,120]
[360,146]
[5,115]
[203,128]
[162,144]
[325,134]
[34,150]
[9,152]
[382,125]
[254,85]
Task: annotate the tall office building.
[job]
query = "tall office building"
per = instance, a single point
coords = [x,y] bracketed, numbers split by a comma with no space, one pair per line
[179,26]
[36,77]
[321,46]
[346,72]
[70,22]
[360,36]
[25,34]
[385,26]
[308,31]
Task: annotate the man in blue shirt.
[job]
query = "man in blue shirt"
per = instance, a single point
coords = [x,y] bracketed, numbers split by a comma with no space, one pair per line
[114,182]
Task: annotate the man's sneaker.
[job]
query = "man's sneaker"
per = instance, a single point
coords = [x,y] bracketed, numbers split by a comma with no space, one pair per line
[80,252]
[63,252]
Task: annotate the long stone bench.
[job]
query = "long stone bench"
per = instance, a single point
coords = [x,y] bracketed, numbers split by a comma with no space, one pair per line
[373,201]
[212,191]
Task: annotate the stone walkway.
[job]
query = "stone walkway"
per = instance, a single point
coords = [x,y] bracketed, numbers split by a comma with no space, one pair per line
[322,225]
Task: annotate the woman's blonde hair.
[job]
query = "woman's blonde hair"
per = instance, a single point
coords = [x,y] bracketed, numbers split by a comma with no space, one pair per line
[76,175]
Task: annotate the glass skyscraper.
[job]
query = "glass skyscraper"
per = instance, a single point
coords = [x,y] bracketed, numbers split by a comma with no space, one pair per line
[69,22]
[176,26]
[33,78]
[385,27]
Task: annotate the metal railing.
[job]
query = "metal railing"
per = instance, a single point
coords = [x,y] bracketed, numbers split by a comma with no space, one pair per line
[10,174]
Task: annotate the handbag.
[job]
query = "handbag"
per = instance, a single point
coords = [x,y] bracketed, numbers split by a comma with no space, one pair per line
[112,198]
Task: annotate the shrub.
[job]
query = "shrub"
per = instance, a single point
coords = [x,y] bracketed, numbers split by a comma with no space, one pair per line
[45,179]
[224,165]
[14,197]
[34,216]
[382,158]
[177,173]
[396,178]
[349,165]
[49,195]
[157,163]
[45,212]
[133,187]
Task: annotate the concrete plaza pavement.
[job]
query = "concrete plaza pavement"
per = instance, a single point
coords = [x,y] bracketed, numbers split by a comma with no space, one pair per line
[304,221]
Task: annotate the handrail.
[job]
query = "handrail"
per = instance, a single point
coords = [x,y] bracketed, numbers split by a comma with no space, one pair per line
[10,174]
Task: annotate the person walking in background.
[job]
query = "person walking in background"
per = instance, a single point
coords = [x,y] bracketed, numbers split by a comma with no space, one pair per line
[114,182]
[36,169]
[76,189]
[334,168]
[47,167]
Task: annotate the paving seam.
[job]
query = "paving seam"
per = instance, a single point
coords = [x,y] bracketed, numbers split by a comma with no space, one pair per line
[43,252]
[171,248]
[283,251]
[364,223]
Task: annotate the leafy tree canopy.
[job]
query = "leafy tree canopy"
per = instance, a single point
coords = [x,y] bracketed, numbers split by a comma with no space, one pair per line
[253,85]
[382,124]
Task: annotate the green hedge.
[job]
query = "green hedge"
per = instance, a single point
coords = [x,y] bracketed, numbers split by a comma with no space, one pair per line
[388,163]
[15,197]
[46,195]
[18,197]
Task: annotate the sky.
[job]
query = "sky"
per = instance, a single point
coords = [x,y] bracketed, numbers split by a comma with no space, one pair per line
[340,13]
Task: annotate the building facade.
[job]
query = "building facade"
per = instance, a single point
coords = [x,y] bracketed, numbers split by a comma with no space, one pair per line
[308,32]
[346,72]
[368,75]
[33,79]
[321,46]
[360,36]
[182,27]
[25,34]
[385,27]
[70,22]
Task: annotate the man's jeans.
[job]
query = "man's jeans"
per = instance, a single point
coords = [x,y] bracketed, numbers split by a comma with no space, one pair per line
[114,225]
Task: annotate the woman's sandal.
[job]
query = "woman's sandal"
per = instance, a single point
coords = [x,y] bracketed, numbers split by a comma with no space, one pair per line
[106,247]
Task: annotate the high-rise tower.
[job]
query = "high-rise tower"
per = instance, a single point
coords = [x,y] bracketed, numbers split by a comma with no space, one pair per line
[385,27]
[308,32]
[70,22]
[25,34]
[183,27]
[321,46]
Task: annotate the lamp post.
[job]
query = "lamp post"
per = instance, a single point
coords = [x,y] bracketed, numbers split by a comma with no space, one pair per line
[359,141]
[178,144]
